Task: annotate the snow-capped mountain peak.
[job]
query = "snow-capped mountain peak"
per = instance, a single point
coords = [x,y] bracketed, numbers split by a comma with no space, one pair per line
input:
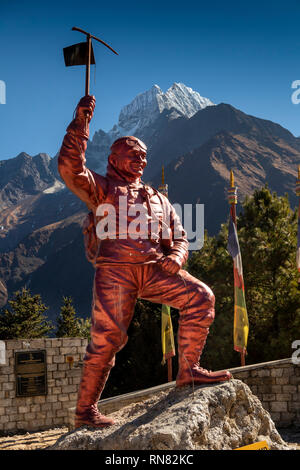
[147,106]
[183,99]
[144,107]
[139,116]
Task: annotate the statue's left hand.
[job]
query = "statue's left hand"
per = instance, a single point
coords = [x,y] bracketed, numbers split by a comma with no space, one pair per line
[170,264]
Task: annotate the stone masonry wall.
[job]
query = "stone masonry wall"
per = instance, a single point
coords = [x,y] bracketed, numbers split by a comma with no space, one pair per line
[277,385]
[43,411]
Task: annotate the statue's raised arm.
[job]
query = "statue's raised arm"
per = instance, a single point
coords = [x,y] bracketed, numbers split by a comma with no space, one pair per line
[86,184]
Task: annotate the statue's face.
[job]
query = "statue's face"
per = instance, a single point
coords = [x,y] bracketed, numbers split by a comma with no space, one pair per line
[131,163]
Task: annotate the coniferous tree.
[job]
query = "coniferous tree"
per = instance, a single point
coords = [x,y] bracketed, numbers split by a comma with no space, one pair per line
[25,318]
[84,325]
[268,238]
[67,323]
[267,231]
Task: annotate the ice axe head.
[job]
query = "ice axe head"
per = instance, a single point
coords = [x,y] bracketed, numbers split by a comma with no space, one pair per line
[83,54]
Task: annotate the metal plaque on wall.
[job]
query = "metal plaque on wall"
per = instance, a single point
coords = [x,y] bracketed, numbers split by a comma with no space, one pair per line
[31,373]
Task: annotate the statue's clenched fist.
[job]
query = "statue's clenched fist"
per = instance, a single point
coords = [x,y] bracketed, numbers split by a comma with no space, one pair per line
[171,263]
[84,113]
[85,108]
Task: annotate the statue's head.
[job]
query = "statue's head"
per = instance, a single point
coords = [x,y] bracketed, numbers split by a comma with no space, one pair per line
[128,157]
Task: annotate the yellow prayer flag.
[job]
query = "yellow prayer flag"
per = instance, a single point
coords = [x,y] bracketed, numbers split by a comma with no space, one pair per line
[167,338]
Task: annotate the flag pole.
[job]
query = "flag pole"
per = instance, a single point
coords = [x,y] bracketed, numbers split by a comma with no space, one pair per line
[232,199]
[87,72]
[298,238]
[169,362]
[88,64]
[164,190]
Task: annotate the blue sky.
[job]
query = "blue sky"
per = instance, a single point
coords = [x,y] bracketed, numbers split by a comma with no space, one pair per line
[247,55]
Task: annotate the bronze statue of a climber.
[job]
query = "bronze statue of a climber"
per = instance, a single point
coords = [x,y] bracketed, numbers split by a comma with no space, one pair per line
[147,266]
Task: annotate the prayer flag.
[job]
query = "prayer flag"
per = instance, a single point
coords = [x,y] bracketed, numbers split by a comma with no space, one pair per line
[167,338]
[241,325]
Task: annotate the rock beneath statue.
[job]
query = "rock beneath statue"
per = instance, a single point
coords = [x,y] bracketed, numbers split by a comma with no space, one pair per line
[220,416]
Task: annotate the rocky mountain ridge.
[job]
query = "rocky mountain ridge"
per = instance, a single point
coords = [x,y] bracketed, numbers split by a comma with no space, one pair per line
[40,220]
[25,175]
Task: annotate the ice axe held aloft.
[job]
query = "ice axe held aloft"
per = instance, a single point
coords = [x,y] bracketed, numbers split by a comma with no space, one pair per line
[83,54]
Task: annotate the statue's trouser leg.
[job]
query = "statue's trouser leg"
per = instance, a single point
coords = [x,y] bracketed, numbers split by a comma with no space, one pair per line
[114,297]
[115,291]
[195,302]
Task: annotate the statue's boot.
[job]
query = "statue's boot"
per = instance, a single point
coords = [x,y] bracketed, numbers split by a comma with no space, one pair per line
[190,346]
[196,375]
[92,383]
